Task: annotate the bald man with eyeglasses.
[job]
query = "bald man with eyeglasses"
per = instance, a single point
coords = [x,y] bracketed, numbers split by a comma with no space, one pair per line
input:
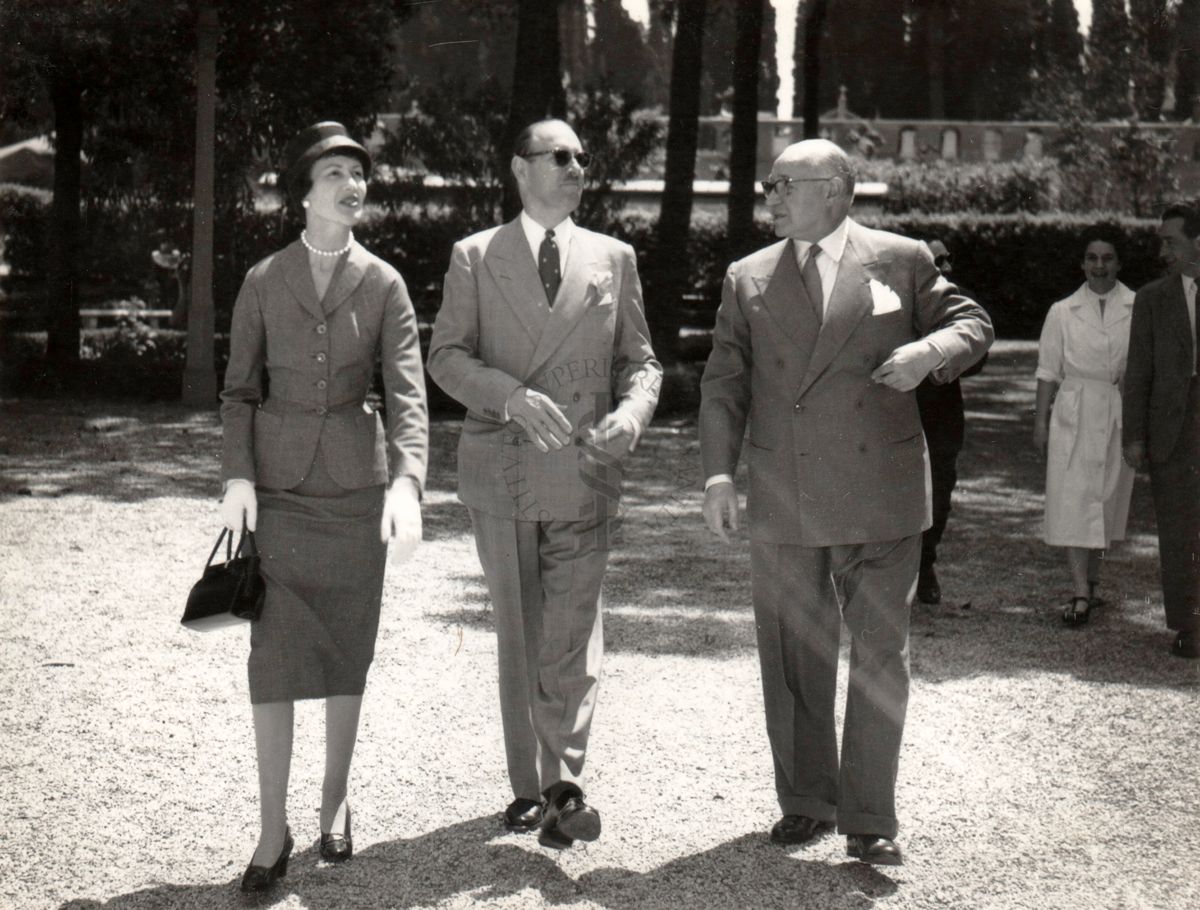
[820,341]
[542,336]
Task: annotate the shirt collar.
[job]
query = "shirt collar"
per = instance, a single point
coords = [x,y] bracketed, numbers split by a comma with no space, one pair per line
[832,244]
[535,233]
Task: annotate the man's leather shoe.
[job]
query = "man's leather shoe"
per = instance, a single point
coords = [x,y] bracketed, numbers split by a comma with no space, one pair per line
[567,818]
[928,589]
[553,838]
[798,829]
[874,849]
[522,815]
[1186,644]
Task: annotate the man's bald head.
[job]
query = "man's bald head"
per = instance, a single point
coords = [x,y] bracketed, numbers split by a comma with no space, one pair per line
[814,182]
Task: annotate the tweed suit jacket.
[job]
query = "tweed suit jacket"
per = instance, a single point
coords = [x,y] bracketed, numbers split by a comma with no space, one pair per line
[300,369]
[591,354]
[1159,368]
[834,457]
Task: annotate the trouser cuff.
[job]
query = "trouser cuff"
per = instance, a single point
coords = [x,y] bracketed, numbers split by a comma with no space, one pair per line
[808,806]
[865,823]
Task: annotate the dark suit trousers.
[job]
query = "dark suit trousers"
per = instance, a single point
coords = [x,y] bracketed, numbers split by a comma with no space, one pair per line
[796,609]
[1175,486]
[544,580]
[941,408]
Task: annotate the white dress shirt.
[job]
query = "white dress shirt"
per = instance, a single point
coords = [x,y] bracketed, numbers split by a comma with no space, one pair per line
[535,234]
[832,246]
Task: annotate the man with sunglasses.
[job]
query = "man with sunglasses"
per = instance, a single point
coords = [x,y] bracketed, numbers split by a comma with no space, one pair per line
[944,422]
[819,342]
[542,336]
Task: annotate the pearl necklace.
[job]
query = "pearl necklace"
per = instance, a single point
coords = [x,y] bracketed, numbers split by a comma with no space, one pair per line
[330,253]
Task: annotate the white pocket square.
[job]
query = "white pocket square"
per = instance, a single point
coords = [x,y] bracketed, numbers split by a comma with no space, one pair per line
[883,299]
[603,282]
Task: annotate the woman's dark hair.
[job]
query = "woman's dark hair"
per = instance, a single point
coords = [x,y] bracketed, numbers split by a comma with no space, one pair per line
[1105,234]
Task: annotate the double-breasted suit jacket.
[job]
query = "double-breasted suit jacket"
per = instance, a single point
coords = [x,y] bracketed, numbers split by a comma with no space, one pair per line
[591,354]
[834,457]
[300,369]
[1159,368]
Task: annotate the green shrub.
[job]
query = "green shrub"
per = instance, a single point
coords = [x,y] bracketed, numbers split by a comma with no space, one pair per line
[943,186]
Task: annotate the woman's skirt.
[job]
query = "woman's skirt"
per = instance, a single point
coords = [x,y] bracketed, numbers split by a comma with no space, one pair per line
[323,563]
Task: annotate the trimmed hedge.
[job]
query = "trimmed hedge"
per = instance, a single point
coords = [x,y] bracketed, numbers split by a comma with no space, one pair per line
[1017,265]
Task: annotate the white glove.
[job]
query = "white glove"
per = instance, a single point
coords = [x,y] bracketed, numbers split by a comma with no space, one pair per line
[402,518]
[239,500]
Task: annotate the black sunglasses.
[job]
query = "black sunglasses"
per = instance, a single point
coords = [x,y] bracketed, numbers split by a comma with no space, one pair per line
[562,157]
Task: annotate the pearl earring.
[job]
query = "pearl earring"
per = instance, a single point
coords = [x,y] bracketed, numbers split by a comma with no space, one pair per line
[304,203]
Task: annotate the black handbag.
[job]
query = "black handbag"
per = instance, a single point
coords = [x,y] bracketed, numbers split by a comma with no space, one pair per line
[230,592]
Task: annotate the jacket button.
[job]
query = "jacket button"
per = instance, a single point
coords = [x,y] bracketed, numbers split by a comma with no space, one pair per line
[321,383]
[800,408]
[578,440]
[322,328]
[575,397]
[862,446]
[858,404]
[321,359]
[779,363]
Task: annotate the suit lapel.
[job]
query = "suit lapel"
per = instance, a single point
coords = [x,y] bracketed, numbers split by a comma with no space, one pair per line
[511,264]
[298,278]
[848,304]
[1081,306]
[348,276]
[1178,314]
[784,297]
[571,300]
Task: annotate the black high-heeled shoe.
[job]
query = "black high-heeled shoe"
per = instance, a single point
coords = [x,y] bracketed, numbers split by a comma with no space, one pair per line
[261,878]
[337,848]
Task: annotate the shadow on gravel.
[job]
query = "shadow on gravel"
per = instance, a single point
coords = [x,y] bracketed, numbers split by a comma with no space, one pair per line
[469,861]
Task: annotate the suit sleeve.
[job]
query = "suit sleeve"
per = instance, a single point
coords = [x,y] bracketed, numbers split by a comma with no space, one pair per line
[404,387]
[725,386]
[954,324]
[243,384]
[454,361]
[637,375]
[1139,367]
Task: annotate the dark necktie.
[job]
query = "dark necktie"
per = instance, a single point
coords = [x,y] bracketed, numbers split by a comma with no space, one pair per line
[548,267]
[811,276]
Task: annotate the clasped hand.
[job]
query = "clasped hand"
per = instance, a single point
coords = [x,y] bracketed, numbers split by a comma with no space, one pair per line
[907,366]
[720,509]
[541,419]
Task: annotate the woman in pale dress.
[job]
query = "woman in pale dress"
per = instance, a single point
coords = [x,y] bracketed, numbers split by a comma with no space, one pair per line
[1081,367]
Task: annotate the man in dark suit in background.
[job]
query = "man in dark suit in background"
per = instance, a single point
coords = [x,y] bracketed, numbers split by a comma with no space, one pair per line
[1161,417]
[941,409]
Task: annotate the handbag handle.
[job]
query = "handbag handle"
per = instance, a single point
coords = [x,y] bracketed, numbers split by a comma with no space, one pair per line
[246,537]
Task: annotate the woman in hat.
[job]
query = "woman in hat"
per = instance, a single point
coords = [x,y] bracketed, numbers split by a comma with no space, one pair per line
[314,471]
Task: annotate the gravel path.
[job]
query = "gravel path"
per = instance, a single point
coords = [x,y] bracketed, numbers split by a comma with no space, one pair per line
[1042,767]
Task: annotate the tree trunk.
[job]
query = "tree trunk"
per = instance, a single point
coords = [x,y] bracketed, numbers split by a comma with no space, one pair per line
[537,90]
[743,153]
[1187,62]
[670,275]
[62,284]
[813,26]
[936,56]
[199,376]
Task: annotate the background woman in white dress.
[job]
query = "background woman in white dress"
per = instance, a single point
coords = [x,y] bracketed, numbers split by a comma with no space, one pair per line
[1081,367]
